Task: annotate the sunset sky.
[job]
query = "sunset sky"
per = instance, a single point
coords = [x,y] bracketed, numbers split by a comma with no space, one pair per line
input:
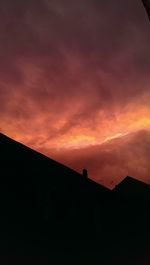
[75,83]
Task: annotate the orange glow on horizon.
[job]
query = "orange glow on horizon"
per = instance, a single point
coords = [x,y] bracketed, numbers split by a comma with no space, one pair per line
[79,136]
[68,86]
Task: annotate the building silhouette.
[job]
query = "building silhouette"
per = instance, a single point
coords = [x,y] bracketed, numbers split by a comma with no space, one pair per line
[48,211]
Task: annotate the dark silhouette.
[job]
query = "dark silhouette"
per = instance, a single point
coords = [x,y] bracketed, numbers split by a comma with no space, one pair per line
[146,4]
[134,189]
[50,214]
[85,173]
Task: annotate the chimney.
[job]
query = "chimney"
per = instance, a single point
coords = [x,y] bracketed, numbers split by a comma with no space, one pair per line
[85,173]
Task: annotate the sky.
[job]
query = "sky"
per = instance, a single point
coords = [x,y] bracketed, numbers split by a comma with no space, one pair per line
[75,83]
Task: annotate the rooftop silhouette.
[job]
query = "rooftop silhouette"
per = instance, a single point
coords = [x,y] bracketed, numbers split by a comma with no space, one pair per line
[134,189]
[49,210]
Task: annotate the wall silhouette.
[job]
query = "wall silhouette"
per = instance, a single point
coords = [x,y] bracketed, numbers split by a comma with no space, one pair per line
[50,211]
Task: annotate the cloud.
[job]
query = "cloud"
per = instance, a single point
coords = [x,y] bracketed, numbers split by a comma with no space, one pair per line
[73,73]
[110,162]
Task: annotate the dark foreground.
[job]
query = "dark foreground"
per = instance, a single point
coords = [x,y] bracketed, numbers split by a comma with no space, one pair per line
[50,214]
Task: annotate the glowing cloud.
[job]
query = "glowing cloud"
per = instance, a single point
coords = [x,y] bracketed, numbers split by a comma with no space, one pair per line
[74,74]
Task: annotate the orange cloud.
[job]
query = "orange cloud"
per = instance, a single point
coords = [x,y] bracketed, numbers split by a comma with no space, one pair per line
[69,77]
[108,163]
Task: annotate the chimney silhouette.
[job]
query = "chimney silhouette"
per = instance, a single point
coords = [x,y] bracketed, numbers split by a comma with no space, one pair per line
[85,173]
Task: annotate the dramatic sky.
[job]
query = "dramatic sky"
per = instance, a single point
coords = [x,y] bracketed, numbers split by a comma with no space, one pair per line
[75,83]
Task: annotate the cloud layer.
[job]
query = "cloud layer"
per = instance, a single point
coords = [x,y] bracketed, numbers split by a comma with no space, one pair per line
[110,162]
[73,73]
